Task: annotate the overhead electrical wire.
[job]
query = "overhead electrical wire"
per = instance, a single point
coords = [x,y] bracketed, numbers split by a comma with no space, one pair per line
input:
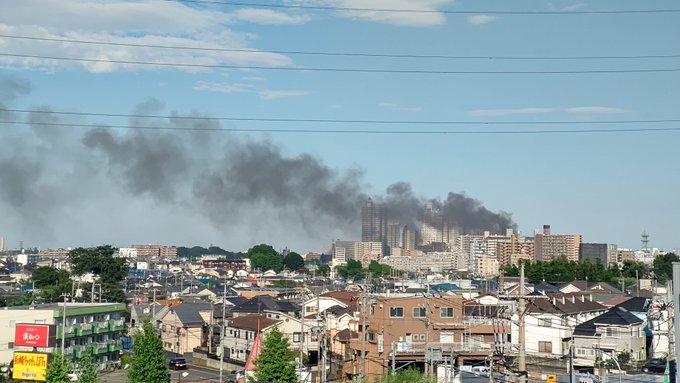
[343,54]
[341,121]
[348,70]
[444,11]
[343,131]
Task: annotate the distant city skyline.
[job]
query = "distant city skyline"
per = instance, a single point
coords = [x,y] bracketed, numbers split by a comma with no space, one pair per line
[192,123]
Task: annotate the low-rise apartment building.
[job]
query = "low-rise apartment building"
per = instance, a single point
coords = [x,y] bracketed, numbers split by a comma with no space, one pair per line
[98,324]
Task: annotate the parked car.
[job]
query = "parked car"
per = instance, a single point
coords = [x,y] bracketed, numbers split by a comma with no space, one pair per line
[178,364]
[480,370]
[235,376]
[655,365]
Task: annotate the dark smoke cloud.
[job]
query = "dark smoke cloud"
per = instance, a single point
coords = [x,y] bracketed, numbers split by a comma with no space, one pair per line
[466,214]
[66,187]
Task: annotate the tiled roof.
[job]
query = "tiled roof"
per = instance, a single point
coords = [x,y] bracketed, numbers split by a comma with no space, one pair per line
[345,297]
[616,316]
[561,304]
[188,313]
[250,322]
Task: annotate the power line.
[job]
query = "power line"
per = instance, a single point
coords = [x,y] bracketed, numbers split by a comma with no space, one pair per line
[338,121]
[444,11]
[347,70]
[345,131]
[347,54]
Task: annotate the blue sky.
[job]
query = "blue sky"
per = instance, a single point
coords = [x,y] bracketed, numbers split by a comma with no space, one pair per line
[78,188]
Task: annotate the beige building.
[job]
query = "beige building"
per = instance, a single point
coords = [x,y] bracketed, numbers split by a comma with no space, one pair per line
[488,266]
[519,247]
[185,327]
[549,246]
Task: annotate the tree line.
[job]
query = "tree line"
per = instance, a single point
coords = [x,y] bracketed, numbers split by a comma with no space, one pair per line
[560,270]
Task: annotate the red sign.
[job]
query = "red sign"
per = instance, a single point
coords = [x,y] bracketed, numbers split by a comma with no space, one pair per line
[34,335]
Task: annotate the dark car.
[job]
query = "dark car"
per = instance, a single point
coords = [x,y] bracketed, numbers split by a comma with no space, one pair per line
[235,376]
[657,365]
[178,364]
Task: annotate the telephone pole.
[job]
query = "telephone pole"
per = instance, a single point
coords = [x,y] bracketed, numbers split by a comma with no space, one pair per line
[224,308]
[521,360]
[63,325]
[362,367]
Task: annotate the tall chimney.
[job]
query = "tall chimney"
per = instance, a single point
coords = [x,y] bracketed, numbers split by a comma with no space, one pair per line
[546,229]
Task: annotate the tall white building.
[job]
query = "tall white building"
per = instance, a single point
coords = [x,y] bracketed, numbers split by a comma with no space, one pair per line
[2,243]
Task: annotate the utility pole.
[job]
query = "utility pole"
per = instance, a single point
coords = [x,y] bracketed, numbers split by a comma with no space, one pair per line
[428,352]
[521,362]
[362,367]
[224,308]
[92,293]
[63,326]
[676,313]
[153,309]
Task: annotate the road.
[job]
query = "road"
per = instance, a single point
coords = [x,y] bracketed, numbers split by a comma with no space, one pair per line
[194,375]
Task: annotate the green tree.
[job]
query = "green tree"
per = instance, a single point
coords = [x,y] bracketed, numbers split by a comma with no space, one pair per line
[293,261]
[44,276]
[377,269]
[58,369]
[663,266]
[100,261]
[149,364]
[410,375]
[352,270]
[324,269]
[264,257]
[87,370]
[276,363]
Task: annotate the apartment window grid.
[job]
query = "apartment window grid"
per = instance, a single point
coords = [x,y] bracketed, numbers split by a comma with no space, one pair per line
[446,312]
[545,347]
[419,312]
[545,322]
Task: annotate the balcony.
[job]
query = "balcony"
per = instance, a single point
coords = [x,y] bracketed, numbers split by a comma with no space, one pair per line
[70,332]
[100,327]
[84,329]
[114,345]
[117,324]
[101,348]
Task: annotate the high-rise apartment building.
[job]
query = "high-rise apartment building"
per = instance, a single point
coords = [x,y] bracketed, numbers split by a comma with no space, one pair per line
[517,248]
[605,253]
[549,246]
[2,243]
[373,223]
[393,235]
[433,228]
[408,239]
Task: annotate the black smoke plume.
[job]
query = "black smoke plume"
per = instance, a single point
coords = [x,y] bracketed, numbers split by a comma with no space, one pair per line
[67,186]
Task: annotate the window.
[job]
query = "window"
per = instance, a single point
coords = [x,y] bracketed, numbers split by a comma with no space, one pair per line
[396,312]
[372,310]
[446,312]
[422,337]
[545,322]
[545,347]
[585,352]
[296,337]
[613,332]
[419,312]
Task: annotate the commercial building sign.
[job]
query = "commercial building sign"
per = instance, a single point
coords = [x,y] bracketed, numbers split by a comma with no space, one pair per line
[34,335]
[30,366]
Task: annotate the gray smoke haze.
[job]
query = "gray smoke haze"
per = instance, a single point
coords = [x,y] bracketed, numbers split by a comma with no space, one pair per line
[69,186]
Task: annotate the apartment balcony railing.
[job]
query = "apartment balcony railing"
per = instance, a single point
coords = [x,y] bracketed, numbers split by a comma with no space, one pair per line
[101,348]
[70,331]
[100,327]
[114,345]
[422,347]
[84,329]
[117,324]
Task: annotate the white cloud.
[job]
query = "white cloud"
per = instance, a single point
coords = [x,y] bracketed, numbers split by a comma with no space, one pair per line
[393,106]
[506,112]
[274,94]
[253,78]
[207,86]
[369,10]
[145,22]
[595,110]
[480,19]
[269,16]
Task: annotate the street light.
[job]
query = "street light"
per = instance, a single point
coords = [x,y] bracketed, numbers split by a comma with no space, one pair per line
[611,355]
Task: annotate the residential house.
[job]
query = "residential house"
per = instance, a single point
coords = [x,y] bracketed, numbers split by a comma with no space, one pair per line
[405,324]
[261,303]
[614,332]
[185,327]
[550,321]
